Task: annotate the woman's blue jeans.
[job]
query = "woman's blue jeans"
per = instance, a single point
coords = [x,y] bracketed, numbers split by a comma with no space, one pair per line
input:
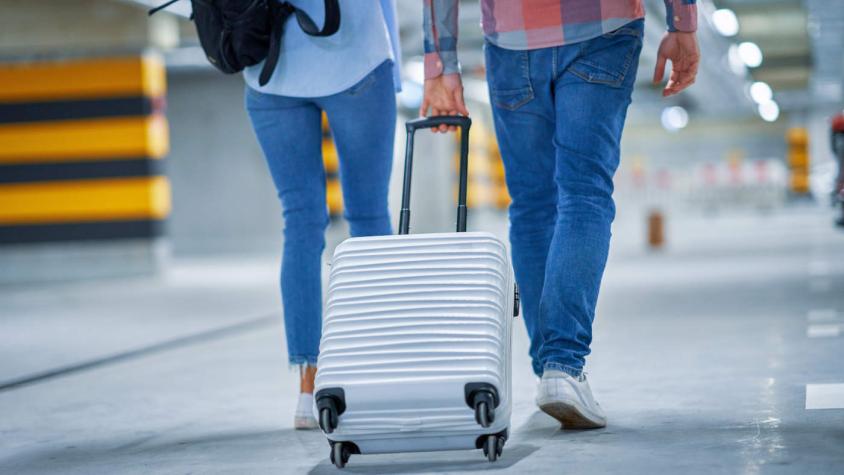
[362,120]
[559,113]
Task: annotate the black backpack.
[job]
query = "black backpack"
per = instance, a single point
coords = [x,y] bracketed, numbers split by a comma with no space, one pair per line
[235,34]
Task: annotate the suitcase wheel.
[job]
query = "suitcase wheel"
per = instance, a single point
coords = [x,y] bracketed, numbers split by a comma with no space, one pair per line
[330,403]
[484,408]
[493,447]
[327,420]
[340,454]
[482,414]
[483,399]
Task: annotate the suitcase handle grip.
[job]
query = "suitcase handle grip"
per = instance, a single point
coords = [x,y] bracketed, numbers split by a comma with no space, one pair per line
[425,123]
[430,122]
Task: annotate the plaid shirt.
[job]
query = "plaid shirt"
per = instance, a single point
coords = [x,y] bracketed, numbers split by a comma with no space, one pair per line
[532,24]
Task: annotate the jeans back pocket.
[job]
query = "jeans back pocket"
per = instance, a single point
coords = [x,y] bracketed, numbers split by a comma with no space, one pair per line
[508,76]
[606,59]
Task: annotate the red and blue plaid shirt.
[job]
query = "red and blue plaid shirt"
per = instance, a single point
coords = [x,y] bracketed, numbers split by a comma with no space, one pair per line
[532,24]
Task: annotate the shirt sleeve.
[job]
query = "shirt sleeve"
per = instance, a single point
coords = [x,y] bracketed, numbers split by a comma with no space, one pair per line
[388,8]
[440,27]
[681,15]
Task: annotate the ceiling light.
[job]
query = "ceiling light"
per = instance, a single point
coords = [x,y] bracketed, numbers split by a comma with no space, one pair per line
[761,92]
[674,118]
[411,94]
[725,22]
[769,111]
[750,54]
[414,70]
[735,62]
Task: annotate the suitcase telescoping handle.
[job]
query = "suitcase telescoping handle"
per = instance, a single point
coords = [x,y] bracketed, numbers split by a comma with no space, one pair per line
[426,123]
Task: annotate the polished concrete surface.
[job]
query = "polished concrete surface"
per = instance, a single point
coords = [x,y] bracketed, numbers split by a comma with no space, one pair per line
[704,356]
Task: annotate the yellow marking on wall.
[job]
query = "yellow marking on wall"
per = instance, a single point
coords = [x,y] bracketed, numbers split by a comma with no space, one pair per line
[82,79]
[329,156]
[334,197]
[88,139]
[85,200]
[798,136]
[331,162]
[497,175]
[799,182]
[324,124]
[486,187]
[798,159]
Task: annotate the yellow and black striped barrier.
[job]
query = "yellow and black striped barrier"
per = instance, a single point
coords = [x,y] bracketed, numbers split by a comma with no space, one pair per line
[333,191]
[501,197]
[486,187]
[82,144]
[798,159]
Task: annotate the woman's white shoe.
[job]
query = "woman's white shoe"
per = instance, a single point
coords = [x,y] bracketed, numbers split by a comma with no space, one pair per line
[304,418]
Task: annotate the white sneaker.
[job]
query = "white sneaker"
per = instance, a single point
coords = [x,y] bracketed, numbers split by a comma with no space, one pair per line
[304,418]
[570,401]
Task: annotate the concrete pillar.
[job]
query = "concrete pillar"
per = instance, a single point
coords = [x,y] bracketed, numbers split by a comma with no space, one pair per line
[76,27]
[83,191]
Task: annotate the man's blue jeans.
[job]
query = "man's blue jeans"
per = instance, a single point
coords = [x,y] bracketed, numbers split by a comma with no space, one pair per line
[559,113]
[363,121]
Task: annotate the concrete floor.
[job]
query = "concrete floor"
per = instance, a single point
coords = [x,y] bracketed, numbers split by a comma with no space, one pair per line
[702,358]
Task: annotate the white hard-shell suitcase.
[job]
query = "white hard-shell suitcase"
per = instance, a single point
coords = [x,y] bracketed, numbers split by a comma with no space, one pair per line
[415,349]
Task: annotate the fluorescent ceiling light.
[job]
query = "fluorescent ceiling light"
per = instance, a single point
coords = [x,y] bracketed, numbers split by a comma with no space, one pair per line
[769,111]
[761,92]
[725,22]
[750,54]
[674,118]
[735,62]
[414,70]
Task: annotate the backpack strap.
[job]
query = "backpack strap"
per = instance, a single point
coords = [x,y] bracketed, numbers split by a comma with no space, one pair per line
[155,10]
[280,14]
[329,27]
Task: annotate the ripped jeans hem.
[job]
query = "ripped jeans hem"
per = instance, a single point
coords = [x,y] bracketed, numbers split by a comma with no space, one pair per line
[302,361]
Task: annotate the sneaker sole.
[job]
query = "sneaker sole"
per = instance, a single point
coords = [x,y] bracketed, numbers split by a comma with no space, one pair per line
[570,417]
[301,423]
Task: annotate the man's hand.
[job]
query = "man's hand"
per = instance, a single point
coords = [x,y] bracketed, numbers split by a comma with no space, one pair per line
[444,96]
[681,48]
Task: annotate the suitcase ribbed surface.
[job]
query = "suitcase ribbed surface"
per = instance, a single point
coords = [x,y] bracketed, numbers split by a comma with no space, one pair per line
[415,313]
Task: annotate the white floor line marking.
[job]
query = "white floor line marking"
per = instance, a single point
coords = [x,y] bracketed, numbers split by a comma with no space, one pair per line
[819,285]
[823,330]
[822,315]
[825,396]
